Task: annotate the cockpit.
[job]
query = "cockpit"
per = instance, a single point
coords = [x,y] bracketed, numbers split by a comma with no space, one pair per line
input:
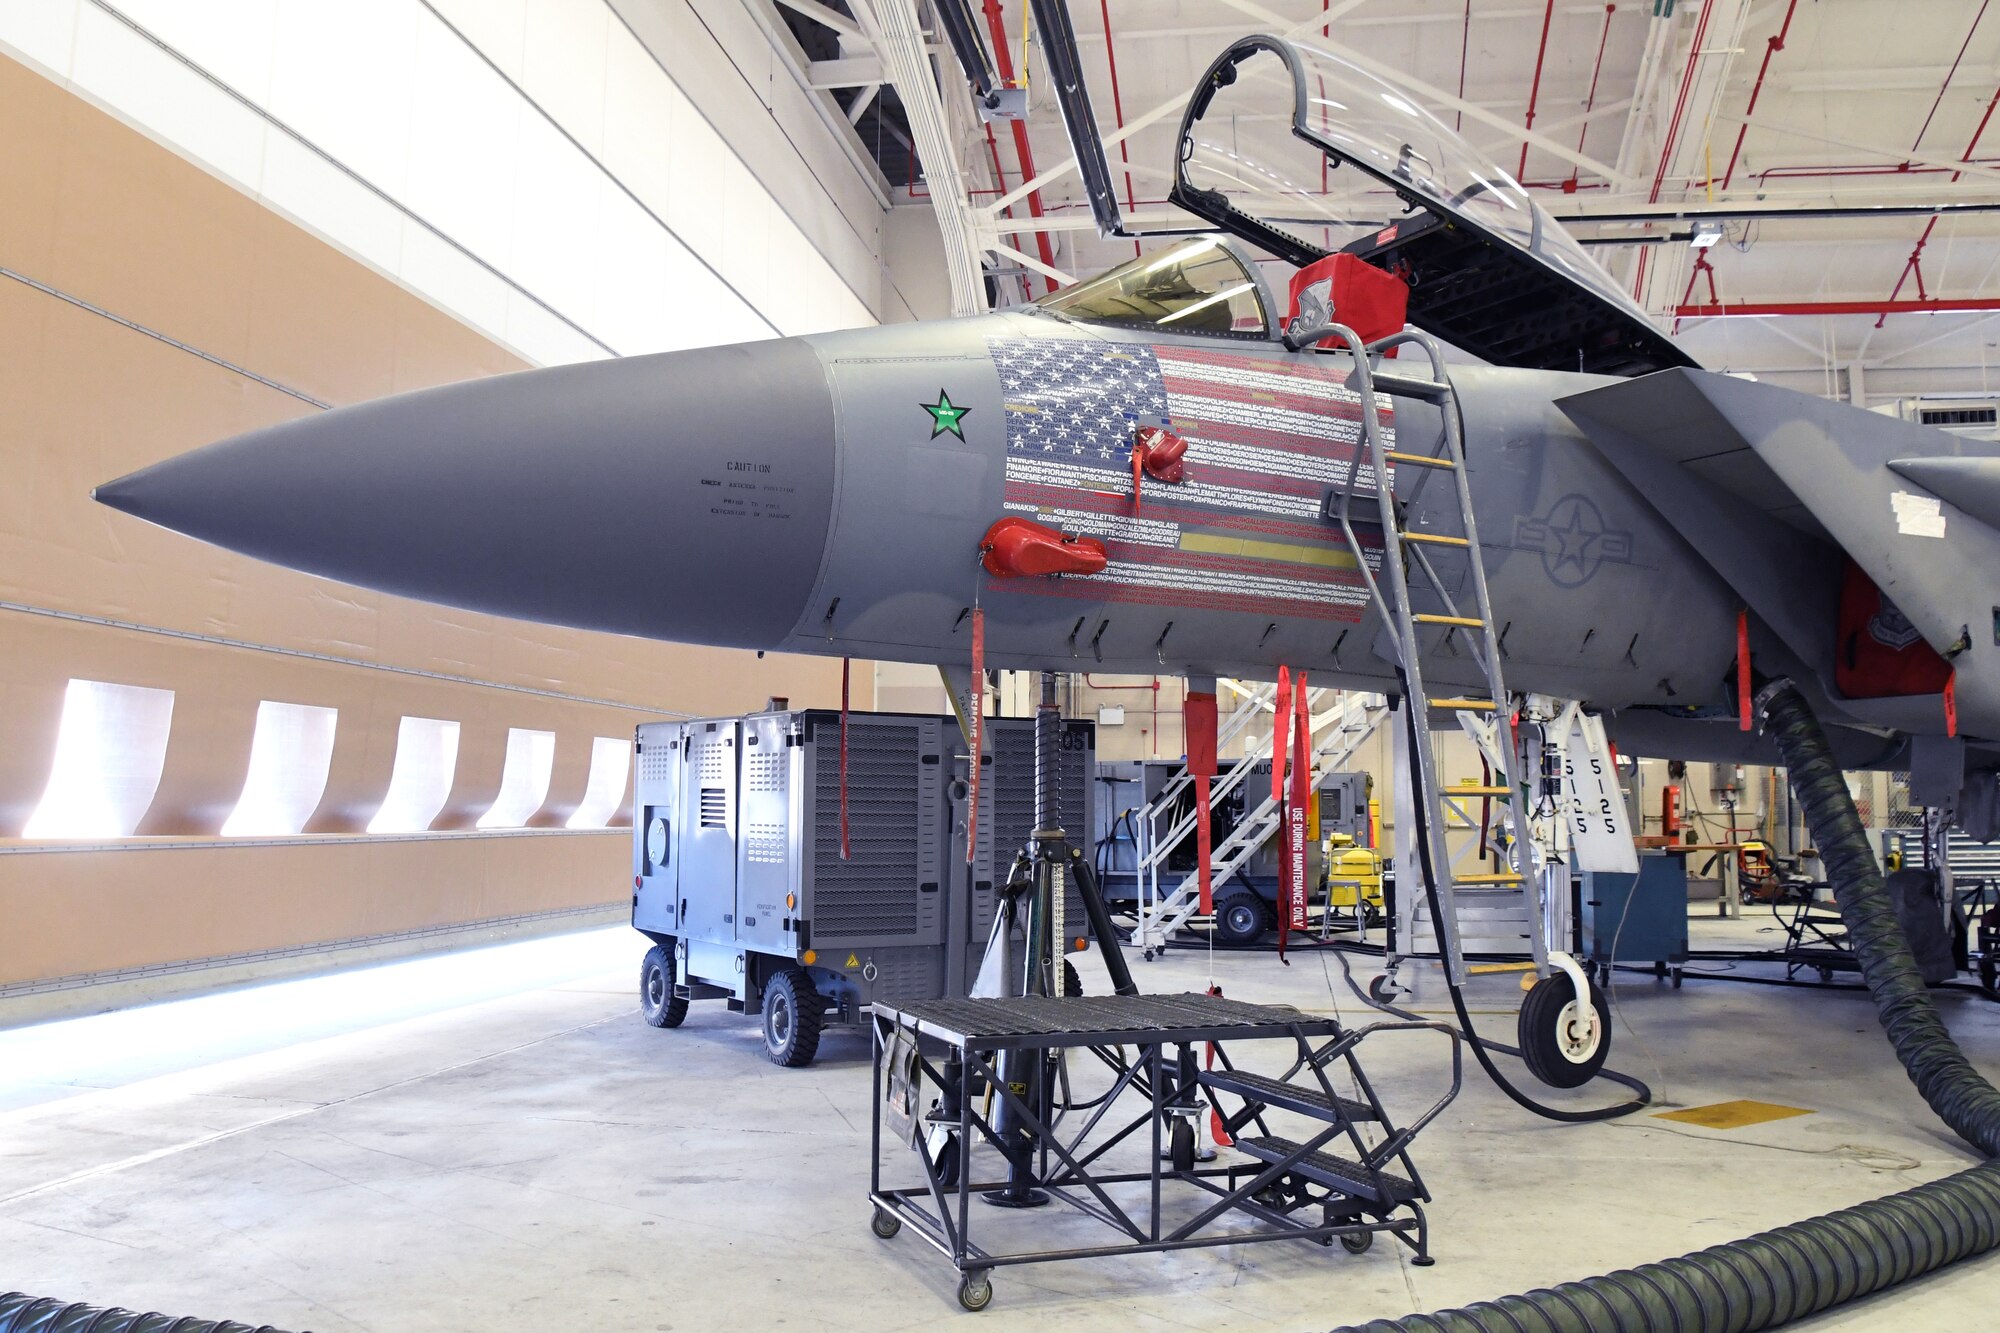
[1303,154]
[1203,284]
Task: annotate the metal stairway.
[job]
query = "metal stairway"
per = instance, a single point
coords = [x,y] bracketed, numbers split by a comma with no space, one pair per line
[1338,733]
[1406,561]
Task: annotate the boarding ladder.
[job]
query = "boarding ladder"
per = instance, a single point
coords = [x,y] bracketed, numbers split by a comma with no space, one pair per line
[1454,619]
[1338,733]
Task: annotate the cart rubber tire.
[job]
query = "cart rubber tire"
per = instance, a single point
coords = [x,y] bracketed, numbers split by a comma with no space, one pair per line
[885,1224]
[1547,1021]
[1180,1147]
[1381,989]
[1072,984]
[1989,977]
[1241,918]
[793,1016]
[657,1002]
[975,1292]
[1358,1242]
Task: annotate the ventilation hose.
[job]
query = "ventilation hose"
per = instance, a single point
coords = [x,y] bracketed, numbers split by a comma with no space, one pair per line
[1793,1271]
[20,1313]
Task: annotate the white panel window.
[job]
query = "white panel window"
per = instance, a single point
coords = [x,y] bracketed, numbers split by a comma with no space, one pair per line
[610,764]
[524,781]
[110,747]
[426,759]
[290,754]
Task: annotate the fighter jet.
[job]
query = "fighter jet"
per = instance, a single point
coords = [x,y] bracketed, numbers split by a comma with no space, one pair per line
[1168,468]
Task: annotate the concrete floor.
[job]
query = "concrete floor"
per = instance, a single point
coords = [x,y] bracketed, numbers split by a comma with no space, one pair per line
[540,1158]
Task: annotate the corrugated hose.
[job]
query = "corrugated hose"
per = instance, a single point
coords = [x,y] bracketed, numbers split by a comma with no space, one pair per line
[21,1313]
[1793,1271]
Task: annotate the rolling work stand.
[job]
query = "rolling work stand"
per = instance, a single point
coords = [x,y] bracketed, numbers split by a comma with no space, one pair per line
[1346,1175]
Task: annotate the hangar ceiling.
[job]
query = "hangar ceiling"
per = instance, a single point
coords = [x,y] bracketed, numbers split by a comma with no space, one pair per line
[1781,121]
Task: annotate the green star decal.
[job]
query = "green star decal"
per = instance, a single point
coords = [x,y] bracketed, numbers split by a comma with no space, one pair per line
[945,417]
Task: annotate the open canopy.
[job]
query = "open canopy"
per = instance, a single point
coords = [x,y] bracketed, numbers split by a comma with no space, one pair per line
[1304,154]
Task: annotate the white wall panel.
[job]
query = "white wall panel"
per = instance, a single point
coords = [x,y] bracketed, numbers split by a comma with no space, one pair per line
[397,134]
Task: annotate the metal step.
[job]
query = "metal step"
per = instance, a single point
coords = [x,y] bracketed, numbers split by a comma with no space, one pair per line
[1323,1168]
[1410,386]
[1263,1090]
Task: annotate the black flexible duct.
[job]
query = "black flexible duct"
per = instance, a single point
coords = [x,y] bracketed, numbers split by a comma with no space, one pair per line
[21,1313]
[1797,1270]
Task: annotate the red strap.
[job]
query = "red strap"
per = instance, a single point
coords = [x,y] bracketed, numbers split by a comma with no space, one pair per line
[1281,725]
[977,703]
[1216,1129]
[1199,723]
[1743,670]
[846,674]
[1951,703]
[1138,470]
[1292,873]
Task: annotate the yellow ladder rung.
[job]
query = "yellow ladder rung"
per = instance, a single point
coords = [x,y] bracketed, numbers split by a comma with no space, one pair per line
[1423,618]
[1484,705]
[1507,878]
[1420,460]
[1476,791]
[1484,969]
[1434,539]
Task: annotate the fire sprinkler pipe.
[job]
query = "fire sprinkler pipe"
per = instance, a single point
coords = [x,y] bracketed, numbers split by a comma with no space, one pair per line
[1771,48]
[1884,308]
[1535,88]
[1004,61]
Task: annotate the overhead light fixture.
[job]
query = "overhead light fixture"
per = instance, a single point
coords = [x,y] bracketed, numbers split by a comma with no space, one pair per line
[1705,235]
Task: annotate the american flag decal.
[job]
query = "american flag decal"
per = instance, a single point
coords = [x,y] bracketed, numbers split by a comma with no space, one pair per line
[1267,440]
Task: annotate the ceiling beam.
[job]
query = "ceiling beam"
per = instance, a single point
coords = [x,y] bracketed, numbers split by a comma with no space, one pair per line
[1773,309]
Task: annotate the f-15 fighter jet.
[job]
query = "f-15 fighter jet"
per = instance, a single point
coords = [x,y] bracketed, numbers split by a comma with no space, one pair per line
[1176,467]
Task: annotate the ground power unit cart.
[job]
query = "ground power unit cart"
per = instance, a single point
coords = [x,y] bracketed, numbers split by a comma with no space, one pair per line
[739,881]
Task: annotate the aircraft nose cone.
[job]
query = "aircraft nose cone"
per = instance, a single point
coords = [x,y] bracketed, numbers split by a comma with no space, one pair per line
[680,496]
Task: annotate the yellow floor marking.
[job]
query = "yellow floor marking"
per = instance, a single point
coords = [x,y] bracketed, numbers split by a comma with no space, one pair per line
[1732,1115]
[1327,557]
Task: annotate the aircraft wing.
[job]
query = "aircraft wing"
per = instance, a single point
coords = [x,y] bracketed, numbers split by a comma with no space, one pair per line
[1772,486]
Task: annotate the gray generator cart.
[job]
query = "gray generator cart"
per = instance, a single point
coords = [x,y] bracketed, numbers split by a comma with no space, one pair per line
[739,882]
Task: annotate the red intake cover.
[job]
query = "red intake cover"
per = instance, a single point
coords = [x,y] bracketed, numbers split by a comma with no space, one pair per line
[1163,454]
[1017,548]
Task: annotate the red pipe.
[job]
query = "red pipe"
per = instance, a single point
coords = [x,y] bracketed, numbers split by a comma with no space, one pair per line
[1911,265]
[1589,105]
[1771,48]
[1117,106]
[1535,89]
[1004,61]
[1680,104]
[1948,74]
[1891,307]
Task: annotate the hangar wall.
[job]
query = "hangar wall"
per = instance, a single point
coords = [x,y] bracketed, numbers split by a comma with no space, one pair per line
[148,307]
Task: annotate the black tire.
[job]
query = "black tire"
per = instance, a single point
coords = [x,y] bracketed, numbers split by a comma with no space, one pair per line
[1381,989]
[885,1224]
[793,1016]
[975,1292]
[1358,1242]
[1072,984]
[1545,1034]
[658,1003]
[1241,918]
[1181,1147]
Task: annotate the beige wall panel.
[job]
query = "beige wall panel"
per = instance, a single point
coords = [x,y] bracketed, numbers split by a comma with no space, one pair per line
[98,212]
[71,913]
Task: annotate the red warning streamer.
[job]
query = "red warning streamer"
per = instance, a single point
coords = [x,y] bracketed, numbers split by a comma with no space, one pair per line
[846,675]
[1743,670]
[1295,718]
[976,701]
[1198,721]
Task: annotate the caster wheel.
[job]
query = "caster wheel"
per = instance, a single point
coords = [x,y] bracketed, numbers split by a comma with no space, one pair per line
[1677,978]
[975,1292]
[1147,954]
[1358,1242]
[1561,1047]
[1182,1147]
[885,1224]
[945,1158]
[1825,976]
[1381,989]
